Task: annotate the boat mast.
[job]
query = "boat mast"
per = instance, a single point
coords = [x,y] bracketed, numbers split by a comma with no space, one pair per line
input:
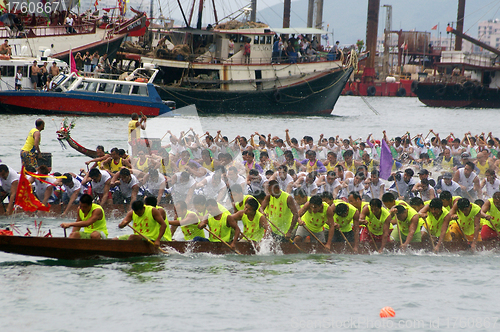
[319,18]
[286,13]
[371,40]
[253,14]
[200,14]
[460,25]
[387,38]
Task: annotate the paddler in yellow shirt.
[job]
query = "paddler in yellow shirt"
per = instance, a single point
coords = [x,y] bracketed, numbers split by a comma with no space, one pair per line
[468,222]
[435,216]
[255,226]
[91,217]
[490,228]
[220,224]
[188,221]
[314,215]
[148,222]
[377,220]
[408,225]
[345,220]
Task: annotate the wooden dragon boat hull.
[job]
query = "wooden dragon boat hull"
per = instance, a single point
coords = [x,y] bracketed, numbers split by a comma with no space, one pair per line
[65,248]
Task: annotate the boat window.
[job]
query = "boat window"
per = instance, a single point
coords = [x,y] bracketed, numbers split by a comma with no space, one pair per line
[269,40]
[262,39]
[82,86]
[91,87]
[122,89]
[242,39]
[24,70]
[106,87]
[140,90]
[8,71]
[70,81]
[256,40]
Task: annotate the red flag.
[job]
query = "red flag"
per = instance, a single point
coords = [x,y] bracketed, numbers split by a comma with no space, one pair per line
[72,64]
[434,27]
[25,197]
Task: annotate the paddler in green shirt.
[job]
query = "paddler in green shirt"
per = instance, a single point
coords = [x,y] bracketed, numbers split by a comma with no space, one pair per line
[91,217]
[148,222]
[315,214]
[490,228]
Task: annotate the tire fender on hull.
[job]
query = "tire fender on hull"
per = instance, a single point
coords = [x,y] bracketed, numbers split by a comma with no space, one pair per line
[401,92]
[371,91]
[440,90]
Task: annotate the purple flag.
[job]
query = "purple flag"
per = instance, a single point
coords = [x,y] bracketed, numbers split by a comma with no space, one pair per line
[385,161]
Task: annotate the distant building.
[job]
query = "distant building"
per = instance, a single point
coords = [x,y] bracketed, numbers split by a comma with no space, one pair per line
[489,33]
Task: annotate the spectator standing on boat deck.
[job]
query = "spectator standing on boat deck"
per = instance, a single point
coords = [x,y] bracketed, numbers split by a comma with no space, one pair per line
[44,72]
[9,180]
[35,70]
[104,62]
[87,62]
[95,60]
[79,61]
[54,70]
[335,50]
[134,131]
[91,217]
[30,152]
[247,50]
[69,23]
[19,80]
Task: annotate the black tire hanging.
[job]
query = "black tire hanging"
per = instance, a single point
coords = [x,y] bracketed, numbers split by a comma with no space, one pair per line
[401,92]
[371,91]
[277,96]
[440,89]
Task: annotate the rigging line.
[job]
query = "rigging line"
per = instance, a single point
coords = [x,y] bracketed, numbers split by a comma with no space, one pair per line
[467,16]
[369,106]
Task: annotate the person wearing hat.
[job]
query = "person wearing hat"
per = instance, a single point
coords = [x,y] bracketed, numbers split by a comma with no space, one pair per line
[445,183]
[72,190]
[402,184]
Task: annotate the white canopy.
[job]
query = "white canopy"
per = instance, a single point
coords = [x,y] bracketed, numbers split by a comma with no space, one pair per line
[299,31]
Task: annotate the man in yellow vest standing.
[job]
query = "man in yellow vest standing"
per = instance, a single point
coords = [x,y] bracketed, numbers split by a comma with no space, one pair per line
[30,152]
[134,131]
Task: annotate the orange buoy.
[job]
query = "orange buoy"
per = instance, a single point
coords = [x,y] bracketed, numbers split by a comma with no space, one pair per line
[387,312]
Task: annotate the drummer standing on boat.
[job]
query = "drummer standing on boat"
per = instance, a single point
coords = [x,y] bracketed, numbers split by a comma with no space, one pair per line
[30,152]
[134,131]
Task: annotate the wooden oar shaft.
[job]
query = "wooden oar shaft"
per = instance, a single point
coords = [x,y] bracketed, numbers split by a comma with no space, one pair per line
[315,237]
[376,247]
[147,239]
[284,235]
[345,239]
[399,231]
[429,230]
[221,240]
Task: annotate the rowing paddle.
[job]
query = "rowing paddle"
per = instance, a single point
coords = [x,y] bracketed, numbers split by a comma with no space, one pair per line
[345,239]
[147,239]
[221,240]
[314,236]
[284,235]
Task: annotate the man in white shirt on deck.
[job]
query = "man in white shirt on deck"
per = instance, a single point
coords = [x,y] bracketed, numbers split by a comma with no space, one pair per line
[468,181]
[128,187]
[100,183]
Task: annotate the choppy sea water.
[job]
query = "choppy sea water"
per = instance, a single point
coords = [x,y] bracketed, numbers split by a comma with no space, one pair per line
[252,293]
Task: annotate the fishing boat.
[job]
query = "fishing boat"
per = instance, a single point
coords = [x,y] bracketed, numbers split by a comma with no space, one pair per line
[38,36]
[65,248]
[76,95]
[208,67]
[462,79]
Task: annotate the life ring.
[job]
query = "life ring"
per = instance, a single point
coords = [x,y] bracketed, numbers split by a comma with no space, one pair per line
[401,92]
[440,89]
[414,86]
[371,91]
[140,79]
[277,96]
[457,88]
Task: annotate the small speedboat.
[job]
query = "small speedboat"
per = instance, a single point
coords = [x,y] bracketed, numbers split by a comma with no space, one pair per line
[101,95]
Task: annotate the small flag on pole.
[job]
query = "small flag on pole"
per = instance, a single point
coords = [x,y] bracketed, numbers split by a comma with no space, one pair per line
[434,27]
[25,197]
